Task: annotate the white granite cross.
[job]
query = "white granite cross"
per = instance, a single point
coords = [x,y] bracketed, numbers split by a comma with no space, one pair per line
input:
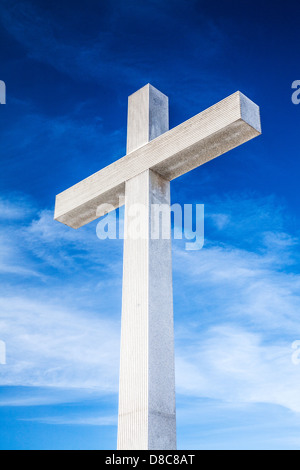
[155,156]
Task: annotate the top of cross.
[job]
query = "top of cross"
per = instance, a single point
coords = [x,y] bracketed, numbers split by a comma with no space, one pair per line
[171,153]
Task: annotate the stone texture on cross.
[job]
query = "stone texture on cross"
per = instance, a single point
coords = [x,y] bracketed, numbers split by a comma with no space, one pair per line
[155,156]
[147,412]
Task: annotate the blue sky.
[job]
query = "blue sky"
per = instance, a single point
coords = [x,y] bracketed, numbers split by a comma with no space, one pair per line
[69,68]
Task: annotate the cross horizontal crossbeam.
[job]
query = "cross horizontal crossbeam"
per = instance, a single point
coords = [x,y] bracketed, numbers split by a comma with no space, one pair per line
[220,128]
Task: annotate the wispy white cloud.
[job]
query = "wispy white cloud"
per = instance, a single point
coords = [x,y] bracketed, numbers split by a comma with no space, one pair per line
[20,396]
[77,420]
[236,311]
[243,303]
[50,346]
[97,53]
[15,211]
[233,365]
[52,140]
[52,340]
[246,286]
[15,207]
[216,425]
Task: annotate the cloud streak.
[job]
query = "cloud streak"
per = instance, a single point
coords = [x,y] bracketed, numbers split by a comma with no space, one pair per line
[236,309]
[97,54]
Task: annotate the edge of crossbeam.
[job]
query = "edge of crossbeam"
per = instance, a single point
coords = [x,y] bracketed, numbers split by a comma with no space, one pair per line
[211,133]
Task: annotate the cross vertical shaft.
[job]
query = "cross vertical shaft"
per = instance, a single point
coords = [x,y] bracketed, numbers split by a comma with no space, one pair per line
[147,417]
